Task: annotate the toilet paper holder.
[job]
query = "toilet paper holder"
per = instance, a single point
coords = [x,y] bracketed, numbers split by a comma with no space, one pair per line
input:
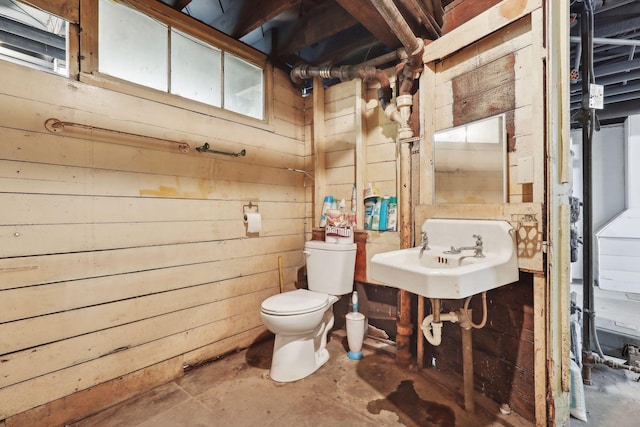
[250,208]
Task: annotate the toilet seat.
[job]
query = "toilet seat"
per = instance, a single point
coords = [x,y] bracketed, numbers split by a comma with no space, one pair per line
[290,303]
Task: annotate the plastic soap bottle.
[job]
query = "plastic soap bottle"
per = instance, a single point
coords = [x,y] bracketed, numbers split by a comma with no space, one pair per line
[384,213]
[328,201]
[375,218]
[392,218]
[369,205]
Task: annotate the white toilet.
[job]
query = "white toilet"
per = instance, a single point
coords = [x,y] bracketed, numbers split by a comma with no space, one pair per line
[301,319]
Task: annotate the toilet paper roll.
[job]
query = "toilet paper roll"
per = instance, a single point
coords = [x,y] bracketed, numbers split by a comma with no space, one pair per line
[254,222]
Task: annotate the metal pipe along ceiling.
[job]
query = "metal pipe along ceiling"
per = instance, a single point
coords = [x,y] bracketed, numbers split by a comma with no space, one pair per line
[399,26]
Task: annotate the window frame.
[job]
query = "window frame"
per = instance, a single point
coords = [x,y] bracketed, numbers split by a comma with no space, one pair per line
[70,18]
[89,59]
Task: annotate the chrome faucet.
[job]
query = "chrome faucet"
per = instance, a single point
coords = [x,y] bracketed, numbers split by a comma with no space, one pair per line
[424,243]
[477,248]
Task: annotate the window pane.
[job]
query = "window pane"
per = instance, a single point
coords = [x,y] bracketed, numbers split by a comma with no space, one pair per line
[132,46]
[32,37]
[243,87]
[195,69]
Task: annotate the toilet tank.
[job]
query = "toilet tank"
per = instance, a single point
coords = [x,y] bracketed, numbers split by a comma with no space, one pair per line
[330,266]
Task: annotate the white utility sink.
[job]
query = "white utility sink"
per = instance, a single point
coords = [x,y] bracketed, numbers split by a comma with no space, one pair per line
[438,273]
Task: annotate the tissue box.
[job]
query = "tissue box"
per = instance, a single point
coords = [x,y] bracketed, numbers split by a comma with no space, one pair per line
[335,234]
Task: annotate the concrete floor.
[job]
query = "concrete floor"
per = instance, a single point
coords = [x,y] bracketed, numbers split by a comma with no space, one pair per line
[237,391]
[613,399]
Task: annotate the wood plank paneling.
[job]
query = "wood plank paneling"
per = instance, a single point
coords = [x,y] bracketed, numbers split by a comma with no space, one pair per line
[75,294]
[121,254]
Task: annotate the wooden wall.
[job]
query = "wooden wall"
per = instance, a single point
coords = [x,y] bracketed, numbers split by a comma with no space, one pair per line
[500,72]
[122,259]
[358,146]
[352,116]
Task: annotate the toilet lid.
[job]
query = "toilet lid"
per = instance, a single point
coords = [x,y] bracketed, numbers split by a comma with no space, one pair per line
[299,301]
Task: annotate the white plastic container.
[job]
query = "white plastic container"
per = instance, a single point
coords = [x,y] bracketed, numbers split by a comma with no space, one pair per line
[355,334]
[328,201]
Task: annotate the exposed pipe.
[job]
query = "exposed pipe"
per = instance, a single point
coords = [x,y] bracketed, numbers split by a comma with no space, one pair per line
[613,91]
[425,13]
[618,67]
[398,26]
[398,54]
[588,118]
[404,327]
[613,79]
[432,330]
[407,74]
[467,367]
[619,109]
[435,309]
[609,40]
[615,365]
[398,112]
[467,313]
[345,73]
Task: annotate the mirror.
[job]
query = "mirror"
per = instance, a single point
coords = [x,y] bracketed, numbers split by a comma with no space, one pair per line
[469,163]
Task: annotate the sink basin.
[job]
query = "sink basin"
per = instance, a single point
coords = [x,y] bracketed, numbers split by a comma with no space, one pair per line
[434,273]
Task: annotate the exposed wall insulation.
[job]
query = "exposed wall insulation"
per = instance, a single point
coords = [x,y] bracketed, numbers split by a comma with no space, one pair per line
[122,259]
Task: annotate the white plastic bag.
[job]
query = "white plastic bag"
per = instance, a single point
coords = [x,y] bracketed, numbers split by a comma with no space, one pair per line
[577,406]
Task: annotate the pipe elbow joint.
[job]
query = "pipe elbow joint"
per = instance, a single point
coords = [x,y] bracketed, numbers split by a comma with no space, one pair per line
[432,331]
[299,73]
[392,113]
[384,95]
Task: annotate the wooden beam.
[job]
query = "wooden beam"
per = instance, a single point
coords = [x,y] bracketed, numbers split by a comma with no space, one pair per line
[89,37]
[66,9]
[540,348]
[438,11]
[328,20]
[461,11]
[424,16]
[488,22]
[367,14]
[181,4]
[335,56]
[245,17]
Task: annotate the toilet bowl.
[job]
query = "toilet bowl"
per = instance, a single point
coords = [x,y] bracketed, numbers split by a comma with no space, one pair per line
[301,319]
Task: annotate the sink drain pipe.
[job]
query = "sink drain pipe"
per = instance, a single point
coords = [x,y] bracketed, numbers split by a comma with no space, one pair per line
[432,324]
[432,331]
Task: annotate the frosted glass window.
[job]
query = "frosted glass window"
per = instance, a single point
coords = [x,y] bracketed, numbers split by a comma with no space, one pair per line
[132,46]
[196,69]
[243,87]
